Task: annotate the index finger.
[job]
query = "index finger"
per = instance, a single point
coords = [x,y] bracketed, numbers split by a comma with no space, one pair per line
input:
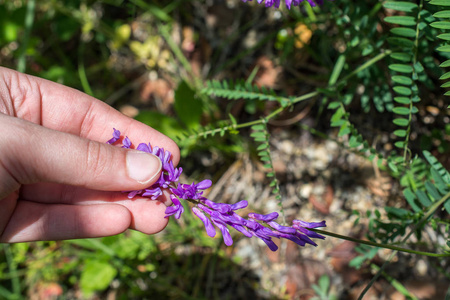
[68,110]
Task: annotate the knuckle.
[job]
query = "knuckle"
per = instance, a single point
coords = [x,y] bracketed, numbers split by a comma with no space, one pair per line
[97,159]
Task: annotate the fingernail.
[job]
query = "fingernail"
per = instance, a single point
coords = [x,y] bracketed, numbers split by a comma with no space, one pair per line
[143,167]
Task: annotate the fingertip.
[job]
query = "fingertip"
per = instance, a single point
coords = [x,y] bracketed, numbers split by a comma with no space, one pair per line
[118,220]
[148,216]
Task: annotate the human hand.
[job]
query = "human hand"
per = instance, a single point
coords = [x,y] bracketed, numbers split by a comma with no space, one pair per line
[58,177]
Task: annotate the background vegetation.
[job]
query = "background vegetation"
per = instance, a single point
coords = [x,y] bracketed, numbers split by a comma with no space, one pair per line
[232,82]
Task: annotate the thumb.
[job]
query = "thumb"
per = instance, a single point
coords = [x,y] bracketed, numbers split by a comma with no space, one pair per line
[31,153]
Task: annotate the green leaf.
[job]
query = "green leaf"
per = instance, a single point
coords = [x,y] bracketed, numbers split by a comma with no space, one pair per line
[357,262]
[400,6]
[444,36]
[262,147]
[437,165]
[401,68]
[399,144]
[410,197]
[393,167]
[402,90]
[441,25]
[400,41]
[337,116]
[232,119]
[398,212]
[438,181]
[445,48]
[401,110]
[96,276]
[334,105]
[440,2]
[445,64]
[446,85]
[400,132]
[258,127]
[423,198]
[344,130]
[263,153]
[402,100]
[431,189]
[187,106]
[401,122]
[339,65]
[402,31]
[401,20]
[442,14]
[402,79]
[445,76]
[401,56]
[258,134]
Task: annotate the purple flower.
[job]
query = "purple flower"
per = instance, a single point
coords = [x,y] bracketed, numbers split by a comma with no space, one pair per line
[208,226]
[177,209]
[191,191]
[283,229]
[265,218]
[302,226]
[126,143]
[116,136]
[152,193]
[225,232]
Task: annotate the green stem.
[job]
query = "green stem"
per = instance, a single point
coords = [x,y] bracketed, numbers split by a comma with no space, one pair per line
[373,244]
[29,19]
[365,65]
[82,71]
[15,282]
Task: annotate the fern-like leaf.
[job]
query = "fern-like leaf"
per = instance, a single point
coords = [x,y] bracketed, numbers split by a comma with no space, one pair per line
[242,90]
[444,25]
[406,68]
[261,135]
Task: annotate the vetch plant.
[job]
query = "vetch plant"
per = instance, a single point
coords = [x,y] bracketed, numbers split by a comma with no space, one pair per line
[224,215]
[220,215]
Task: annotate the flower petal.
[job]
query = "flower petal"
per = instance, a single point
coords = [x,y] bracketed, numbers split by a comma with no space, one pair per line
[208,226]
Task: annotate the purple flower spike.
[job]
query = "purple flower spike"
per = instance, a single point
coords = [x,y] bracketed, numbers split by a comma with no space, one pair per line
[208,226]
[176,210]
[214,214]
[116,136]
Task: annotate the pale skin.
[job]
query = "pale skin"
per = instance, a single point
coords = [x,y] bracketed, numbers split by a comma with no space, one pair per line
[58,178]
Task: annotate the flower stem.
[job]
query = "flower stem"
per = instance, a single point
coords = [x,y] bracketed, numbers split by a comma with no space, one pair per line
[343,237]
[430,211]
